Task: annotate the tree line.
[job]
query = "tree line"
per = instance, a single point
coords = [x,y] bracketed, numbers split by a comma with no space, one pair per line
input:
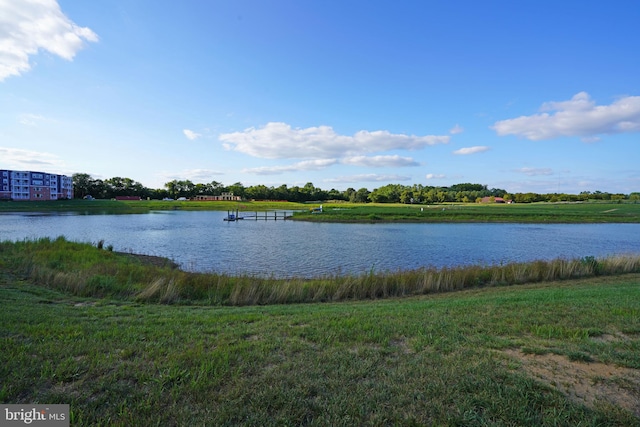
[85,185]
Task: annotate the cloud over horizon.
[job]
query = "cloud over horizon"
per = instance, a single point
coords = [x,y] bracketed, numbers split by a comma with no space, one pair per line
[200,175]
[370,177]
[380,161]
[278,140]
[435,176]
[579,116]
[534,171]
[307,165]
[30,160]
[29,25]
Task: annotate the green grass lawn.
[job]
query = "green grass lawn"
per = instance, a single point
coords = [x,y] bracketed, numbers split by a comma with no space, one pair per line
[475,212]
[140,206]
[353,212]
[527,355]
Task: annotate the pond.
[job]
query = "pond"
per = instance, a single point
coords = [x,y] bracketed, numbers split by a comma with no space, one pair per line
[203,242]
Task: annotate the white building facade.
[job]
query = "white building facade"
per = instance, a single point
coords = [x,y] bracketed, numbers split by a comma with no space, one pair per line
[28,185]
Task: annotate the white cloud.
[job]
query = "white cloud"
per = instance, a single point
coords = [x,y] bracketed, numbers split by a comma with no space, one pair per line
[579,116]
[26,26]
[16,158]
[191,134]
[368,178]
[456,129]
[278,140]
[33,119]
[307,165]
[435,176]
[194,175]
[471,150]
[535,171]
[380,161]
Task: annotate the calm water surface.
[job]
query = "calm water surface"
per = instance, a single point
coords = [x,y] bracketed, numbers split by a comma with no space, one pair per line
[202,241]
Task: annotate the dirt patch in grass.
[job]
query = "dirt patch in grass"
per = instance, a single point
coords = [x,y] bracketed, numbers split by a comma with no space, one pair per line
[586,383]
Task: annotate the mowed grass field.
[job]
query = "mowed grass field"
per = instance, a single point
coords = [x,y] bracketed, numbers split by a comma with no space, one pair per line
[587,212]
[476,212]
[140,206]
[555,353]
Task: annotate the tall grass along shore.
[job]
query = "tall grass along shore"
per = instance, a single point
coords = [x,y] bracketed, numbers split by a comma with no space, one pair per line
[79,327]
[82,269]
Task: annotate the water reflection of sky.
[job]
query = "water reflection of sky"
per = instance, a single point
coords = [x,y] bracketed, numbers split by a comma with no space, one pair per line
[202,241]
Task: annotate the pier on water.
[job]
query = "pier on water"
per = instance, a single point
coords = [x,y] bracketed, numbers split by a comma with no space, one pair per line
[265,216]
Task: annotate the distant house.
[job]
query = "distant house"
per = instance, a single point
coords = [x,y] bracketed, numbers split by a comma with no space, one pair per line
[494,200]
[29,185]
[223,196]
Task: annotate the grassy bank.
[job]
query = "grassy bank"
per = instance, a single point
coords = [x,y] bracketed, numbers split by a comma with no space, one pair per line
[520,213]
[81,269]
[561,353]
[140,206]
[352,212]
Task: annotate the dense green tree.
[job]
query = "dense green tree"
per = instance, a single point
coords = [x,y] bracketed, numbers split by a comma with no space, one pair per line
[468,187]
[406,196]
[360,196]
[258,192]
[281,193]
[389,193]
[237,189]
[334,194]
[118,186]
[82,183]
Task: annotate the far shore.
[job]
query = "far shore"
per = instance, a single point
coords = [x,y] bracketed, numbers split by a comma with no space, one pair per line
[335,211]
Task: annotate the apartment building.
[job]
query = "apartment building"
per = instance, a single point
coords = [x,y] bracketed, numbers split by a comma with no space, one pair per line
[28,185]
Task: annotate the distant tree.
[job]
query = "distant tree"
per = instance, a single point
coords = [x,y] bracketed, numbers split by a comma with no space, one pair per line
[360,196]
[389,193]
[349,194]
[334,194]
[527,197]
[497,192]
[82,185]
[468,187]
[258,192]
[171,187]
[118,186]
[281,193]
[237,189]
[406,196]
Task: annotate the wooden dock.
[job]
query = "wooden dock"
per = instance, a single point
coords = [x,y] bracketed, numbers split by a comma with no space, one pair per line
[233,216]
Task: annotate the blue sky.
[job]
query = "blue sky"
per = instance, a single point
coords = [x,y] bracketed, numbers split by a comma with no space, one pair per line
[529,96]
